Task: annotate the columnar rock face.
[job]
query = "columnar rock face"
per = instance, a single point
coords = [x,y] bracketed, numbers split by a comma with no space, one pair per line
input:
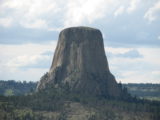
[80,62]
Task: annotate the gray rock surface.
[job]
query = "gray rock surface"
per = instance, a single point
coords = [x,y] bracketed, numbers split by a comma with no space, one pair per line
[80,62]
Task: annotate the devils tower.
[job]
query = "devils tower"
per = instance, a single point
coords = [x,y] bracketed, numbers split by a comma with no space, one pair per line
[80,62]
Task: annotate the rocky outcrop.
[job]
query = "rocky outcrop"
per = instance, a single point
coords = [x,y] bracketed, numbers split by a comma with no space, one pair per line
[80,62]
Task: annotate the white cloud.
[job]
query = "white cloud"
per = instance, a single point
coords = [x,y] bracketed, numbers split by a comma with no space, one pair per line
[119,11]
[35,24]
[56,14]
[32,74]
[27,60]
[127,7]
[140,77]
[142,69]
[31,13]
[81,11]
[132,5]
[153,13]
[20,61]
[5,22]
[26,49]
[151,55]
[156,73]
[117,50]
[46,14]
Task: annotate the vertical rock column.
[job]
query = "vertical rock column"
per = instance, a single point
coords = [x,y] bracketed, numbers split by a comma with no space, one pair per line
[80,62]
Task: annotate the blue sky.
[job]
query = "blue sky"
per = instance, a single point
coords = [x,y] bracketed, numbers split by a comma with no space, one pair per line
[29,31]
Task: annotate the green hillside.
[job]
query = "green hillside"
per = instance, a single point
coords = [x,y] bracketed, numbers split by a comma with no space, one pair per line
[60,104]
[19,102]
[11,87]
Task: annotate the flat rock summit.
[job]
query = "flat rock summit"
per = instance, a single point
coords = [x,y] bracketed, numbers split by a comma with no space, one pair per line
[80,62]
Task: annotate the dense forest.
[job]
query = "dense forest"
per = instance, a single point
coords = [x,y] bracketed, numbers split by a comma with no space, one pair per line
[142,90]
[61,104]
[11,87]
[147,91]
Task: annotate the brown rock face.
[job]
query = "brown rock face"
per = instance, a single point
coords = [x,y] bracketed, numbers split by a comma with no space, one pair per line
[80,62]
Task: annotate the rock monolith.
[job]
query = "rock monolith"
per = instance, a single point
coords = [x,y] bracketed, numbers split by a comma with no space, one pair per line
[80,62]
